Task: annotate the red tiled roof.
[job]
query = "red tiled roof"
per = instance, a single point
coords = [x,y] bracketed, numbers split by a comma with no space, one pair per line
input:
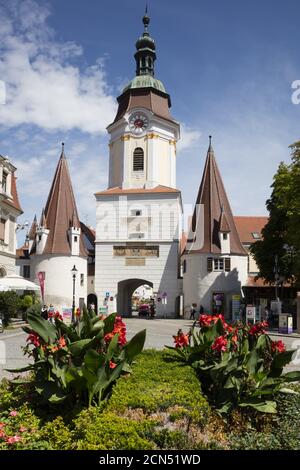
[254,281]
[182,243]
[118,190]
[61,212]
[15,198]
[247,225]
[212,199]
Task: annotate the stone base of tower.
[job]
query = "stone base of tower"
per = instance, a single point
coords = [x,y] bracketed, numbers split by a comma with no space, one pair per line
[201,287]
[116,279]
[59,281]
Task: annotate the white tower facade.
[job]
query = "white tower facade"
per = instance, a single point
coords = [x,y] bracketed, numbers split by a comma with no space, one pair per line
[139,214]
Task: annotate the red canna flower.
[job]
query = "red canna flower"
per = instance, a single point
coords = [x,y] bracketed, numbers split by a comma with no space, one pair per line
[181,340]
[220,344]
[34,339]
[2,425]
[259,328]
[278,346]
[112,365]
[120,329]
[61,342]
[58,316]
[205,320]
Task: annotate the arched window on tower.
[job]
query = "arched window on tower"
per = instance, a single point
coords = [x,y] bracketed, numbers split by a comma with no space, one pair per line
[138,159]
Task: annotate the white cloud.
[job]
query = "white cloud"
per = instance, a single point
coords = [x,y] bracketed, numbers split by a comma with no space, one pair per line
[43,86]
[189,137]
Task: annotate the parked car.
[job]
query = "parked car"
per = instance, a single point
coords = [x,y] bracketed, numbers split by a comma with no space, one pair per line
[144,310]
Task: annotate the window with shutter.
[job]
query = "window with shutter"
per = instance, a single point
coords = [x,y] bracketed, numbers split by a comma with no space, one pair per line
[209,265]
[227,264]
[138,159]
[2,229]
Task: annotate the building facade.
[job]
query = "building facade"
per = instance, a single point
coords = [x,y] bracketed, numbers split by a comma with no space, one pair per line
[139,214]
[10,210]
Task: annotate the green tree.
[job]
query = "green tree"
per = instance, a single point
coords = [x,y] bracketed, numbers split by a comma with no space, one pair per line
[9,302]
[281,233]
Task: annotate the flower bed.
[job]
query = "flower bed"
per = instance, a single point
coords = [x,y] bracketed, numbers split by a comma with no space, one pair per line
[79,362]
[238,365]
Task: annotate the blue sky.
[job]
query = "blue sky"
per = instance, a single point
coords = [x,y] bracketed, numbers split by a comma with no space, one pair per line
[228,66]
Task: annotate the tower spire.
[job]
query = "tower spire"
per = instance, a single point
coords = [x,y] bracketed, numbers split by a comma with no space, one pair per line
[62,150]
[210,148]
[145,50]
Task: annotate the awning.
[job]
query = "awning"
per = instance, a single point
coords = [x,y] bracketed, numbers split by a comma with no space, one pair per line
[17,283]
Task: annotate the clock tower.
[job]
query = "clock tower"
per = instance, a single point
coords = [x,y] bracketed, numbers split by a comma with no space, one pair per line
[143,135]
[139,214]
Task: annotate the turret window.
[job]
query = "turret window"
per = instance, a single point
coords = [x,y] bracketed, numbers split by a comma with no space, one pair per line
[218,264]
[138,159]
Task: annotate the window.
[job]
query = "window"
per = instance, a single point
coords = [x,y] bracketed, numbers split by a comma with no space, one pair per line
[136,212]
[227,264]
[4,181]
[2,229]
[40,238]
[26,271]
[75,239]
[256,235]
[225,236]
[2,272]
[138,159]
[218,264]
[184,266]
[136,235]
[81,279]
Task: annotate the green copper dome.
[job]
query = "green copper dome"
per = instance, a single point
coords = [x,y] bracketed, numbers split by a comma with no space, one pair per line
[145,81]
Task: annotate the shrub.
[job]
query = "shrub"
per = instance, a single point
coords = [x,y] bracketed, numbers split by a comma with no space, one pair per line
[159,384]
[238,366]
[9,302]
[25,302]
[81,361]
[96,431]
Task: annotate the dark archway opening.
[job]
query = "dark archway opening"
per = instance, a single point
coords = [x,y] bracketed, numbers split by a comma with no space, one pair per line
[92,300]
[125,292]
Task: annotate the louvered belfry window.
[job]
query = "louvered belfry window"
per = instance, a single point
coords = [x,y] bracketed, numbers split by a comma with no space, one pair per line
[138,159]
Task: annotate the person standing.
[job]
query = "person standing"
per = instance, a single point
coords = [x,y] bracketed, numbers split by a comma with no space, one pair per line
[51,313]
[192,312]
[44,312]
[201,310]
[266,314]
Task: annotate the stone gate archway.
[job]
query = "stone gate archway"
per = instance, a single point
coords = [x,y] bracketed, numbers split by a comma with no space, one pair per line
[125,290]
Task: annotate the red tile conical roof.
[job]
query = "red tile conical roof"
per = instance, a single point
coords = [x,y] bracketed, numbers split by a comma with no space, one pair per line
[212,214]
[60,212]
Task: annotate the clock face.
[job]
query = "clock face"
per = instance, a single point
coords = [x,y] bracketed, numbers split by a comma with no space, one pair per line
[138,122]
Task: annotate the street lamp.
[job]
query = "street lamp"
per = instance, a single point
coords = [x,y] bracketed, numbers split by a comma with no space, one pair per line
[74,274]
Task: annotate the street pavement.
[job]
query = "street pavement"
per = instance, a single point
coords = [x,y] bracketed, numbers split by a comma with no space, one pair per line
[159,334]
